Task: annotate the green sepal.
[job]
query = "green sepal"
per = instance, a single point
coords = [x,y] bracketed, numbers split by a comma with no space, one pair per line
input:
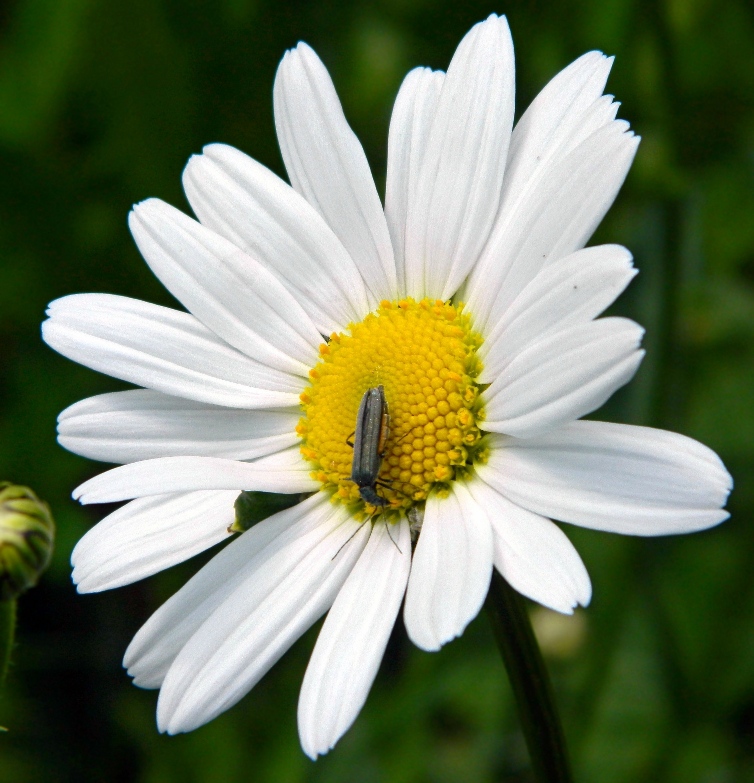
[253,507]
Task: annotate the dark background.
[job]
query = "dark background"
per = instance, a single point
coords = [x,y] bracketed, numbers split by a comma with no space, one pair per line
[101,104]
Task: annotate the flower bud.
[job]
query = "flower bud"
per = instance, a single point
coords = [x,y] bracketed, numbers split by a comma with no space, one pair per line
[27,532]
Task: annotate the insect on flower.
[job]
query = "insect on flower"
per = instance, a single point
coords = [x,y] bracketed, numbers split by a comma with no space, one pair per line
[370,438]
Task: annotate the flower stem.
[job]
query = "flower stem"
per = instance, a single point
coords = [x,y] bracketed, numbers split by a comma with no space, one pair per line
[7,633]
[530,682]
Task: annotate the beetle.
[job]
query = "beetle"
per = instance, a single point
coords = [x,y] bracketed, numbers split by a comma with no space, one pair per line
[370,439]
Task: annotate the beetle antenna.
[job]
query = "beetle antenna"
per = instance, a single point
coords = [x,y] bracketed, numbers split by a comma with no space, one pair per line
[350,538]
[390,536]
[389,485]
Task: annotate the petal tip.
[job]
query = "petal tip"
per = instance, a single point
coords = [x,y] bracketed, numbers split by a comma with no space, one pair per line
[144,204]
[426,645]
[302,49]
[311,750]
[432,643]
[80,582]
[190,168]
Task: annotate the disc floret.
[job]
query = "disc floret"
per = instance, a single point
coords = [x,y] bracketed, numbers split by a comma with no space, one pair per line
[424,354]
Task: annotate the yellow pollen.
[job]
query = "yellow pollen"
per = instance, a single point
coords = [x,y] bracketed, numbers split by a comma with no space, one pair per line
[424,354]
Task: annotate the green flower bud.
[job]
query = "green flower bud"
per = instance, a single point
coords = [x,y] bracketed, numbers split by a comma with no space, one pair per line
[27,532]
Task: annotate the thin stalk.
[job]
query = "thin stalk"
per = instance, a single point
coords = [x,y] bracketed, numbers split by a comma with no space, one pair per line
[530,682]
[7,634]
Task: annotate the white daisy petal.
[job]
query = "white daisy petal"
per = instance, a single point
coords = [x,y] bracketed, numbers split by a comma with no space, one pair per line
[143,424]
[556,121]
[550,220]
[327,165]
[615,477]
[461,173]
[284,472]
[258,621]
[562,377]
[564,114]
[163,349]
[533,554]
[450,570]
[161,638]
[572,290]
[264,216]
[353,638]
[149,535]
[412,117]
[228,291]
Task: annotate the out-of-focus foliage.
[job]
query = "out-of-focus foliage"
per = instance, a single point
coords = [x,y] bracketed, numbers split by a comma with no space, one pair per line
[101,104]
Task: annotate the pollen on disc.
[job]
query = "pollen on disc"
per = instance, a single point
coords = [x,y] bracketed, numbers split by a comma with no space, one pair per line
[424,355]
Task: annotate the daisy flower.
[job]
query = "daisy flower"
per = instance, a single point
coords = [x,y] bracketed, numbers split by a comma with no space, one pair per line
[470,299]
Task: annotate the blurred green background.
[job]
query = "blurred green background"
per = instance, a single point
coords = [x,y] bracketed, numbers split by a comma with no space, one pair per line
[101,104]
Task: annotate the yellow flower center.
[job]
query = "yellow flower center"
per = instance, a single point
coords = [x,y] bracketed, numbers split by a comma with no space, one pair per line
[424,356]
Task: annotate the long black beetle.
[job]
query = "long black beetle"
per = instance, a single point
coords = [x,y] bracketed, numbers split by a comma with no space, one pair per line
[370,439]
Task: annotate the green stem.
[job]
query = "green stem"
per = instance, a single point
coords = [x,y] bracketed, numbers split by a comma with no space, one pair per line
[7,633]
[530,682]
